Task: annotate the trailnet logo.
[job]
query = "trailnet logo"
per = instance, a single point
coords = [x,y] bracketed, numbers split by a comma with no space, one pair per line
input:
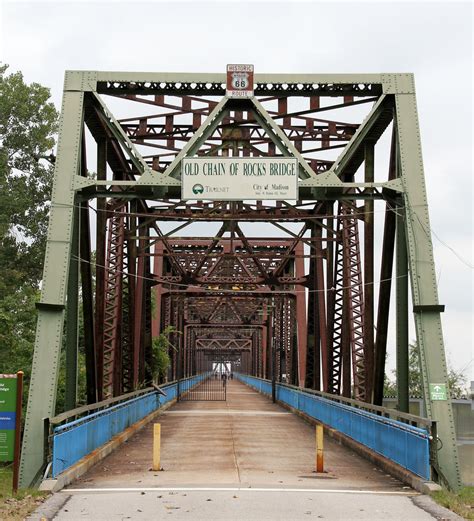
[198,189]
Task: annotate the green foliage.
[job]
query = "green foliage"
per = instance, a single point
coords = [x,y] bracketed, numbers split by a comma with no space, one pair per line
[28,122]
[456,380]
[17,331]
[18,506]
[461,502]
[160,354]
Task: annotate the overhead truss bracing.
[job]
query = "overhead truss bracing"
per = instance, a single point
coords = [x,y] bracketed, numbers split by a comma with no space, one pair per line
[279,289]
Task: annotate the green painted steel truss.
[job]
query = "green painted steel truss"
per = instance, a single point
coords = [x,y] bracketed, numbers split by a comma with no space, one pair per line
[393,102]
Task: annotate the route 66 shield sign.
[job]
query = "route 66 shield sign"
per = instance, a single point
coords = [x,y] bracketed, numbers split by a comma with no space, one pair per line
[239,80]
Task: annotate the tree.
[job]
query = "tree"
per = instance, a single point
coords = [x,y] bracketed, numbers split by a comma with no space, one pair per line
[160,359]
[456,380]
[28,122]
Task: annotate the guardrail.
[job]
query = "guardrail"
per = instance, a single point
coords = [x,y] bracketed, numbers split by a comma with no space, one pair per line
[77,433]
[404,440]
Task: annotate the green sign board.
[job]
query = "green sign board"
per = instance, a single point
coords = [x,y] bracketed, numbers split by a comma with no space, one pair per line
[438,392]
[8,390]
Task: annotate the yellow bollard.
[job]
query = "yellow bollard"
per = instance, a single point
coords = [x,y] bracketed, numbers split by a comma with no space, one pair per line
[156,446]
[319,448]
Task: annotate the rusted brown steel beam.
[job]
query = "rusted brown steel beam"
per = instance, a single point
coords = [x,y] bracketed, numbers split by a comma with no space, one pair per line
[223,343]
[158,289]
[87,292]
[330,295]
[130,259]
[124,378]
[336,311]
[313,360]
[320,305]
[138,313]
[100,268]
[301,323]
[146,352]
[369,273]
[386,269]
[249,134]
[113,305]
[353,270]
[187,107]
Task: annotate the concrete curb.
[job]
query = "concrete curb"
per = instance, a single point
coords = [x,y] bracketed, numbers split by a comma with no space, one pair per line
[49,508]
[440,513]
[84,464]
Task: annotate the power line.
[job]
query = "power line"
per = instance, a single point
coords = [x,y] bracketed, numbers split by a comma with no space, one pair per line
[214,290]
[396,210]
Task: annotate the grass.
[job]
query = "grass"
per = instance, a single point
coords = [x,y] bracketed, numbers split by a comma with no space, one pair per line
[461,502]
[16,507]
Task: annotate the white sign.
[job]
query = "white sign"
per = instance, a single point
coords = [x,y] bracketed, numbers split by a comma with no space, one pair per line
[236,179]
[239,81]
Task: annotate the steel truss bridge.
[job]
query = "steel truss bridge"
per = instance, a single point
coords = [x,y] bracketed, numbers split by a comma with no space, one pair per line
[298,291]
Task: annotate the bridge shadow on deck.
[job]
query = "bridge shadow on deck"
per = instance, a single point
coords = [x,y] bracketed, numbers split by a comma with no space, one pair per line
[245,441]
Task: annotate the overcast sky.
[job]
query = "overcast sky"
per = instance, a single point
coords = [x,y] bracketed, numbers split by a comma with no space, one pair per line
[433,40]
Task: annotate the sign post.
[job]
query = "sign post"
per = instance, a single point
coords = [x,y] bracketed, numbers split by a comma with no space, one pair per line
[11,396]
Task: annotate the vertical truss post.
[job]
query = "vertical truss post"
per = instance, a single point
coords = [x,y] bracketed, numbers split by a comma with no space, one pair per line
[355,297]
[72,318]
[87,289]
[146,362]
[113,298]
[138,310]
[101,222]
[265,338]
[330,297]
[369,274]
[402,317]
[320,304]
[313,362]
[127,330]
[345,360]
[336,311]
[301,316]
[44,376]
[385,287]
[88,305]
[158,289]
[423,281]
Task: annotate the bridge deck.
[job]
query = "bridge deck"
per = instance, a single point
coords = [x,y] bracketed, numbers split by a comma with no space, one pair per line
[244,441]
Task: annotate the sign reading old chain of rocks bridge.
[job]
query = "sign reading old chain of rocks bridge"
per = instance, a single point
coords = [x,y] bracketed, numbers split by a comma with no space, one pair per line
[235,179]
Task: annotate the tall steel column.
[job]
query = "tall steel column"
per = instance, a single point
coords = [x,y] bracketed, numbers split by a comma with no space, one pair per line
[423,279]
[402,317]
[43,383]
[72,311]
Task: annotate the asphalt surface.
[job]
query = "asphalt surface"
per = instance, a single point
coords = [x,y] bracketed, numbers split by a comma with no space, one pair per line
[242,459]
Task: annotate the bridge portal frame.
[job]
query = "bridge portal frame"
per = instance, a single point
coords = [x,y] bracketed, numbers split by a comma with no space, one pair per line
[396,97]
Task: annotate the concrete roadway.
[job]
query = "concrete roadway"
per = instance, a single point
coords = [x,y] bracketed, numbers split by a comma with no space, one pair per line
[243,459]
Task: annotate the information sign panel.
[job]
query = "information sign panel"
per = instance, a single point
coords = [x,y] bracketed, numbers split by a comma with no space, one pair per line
[237,179]
[438,392]
[8,391]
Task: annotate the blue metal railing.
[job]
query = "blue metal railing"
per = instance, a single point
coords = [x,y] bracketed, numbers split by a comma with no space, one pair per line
[404,444]
[75,439]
